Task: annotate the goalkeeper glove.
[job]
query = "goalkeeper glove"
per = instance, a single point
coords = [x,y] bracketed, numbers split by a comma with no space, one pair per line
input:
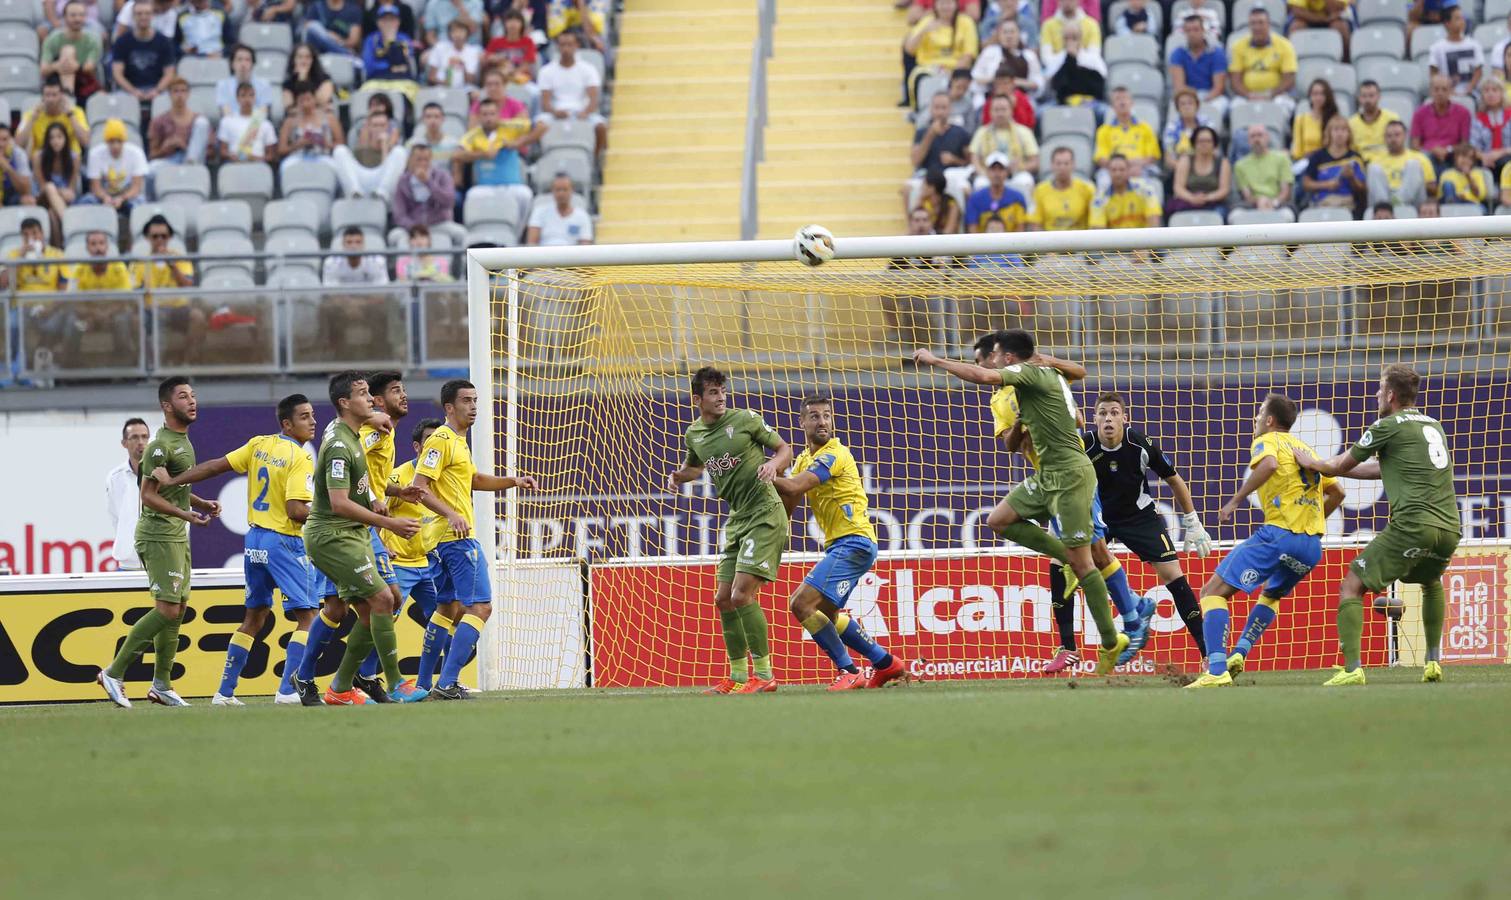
[1197,539]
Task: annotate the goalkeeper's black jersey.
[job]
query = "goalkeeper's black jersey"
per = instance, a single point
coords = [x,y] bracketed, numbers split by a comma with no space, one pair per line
[1123,473]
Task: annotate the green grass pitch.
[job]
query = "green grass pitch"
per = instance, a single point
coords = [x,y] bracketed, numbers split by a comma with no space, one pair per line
[1274,789]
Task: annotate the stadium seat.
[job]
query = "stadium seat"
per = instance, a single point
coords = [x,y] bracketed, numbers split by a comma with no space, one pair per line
[289,215]
[19,83]
[1140,78]
[1394,75]
[224,278]
[1321,43]
[1055,120]
[1131,48]
[238,248]
[289,241]
[1244,113]
[315,184]
[1179,11]
[10,224]
[249,181]
[368,214]
[271,66]
[1460,210]
[1423,38]
[1260,217]
[23,12]
[1195,218]
[189,185]
[1341,76]
[121,106]
[19,42]
[1402,103]
[295,277]
[1325,214]
[1380,39]
[224,217]
[1375,11]
[575,162]
[1079,144]
[201,71]
[595,59]
[1404,211]
[478,211]
[1145,110]
[265,37]
[80,220]
[201,100]
[928,86]
[567,133]
[341,69]
[1488,35]
[1466,102]
[356,111]
[453,101]
[177,214]
[495,234]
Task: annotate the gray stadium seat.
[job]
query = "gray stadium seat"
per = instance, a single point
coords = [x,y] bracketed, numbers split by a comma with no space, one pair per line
[225,278]
[1495,9]
[313,183]
[201,100]
[1466,102]
[575,162]
[357,110]
[1323,43]
[121,106]
[477,211]
[19,83]
[201,71]
[24,12]
[1382,39]
[249,181]
[1055,120]
[1372,11]
[595,59]
[270,66]
[567,133]
[1179,11]
[1243,113]
[1341,76]
[1404,211]
[1460,210]
[238,247]
[177,215]
[1142,79]
[10,224]
[1325,214]
[297,214]
[1147,111]
[1260,216]
[1394,75]
[1195,218]
[80,220]
[183,184]
[1131,48]
[453,100]
[1423,38]
[295,277]
[341,69]
[493,233]
[274,37]
[368,214]
[288,241]
[1402,103]
[1488,35]
[928,86]
[1079,144]
[19,42]
[224,217]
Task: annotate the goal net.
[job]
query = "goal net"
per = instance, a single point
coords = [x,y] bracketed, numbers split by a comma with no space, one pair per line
[607,579]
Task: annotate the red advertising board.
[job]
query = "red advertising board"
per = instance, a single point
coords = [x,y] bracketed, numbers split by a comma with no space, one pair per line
[958,617]
[1478,592]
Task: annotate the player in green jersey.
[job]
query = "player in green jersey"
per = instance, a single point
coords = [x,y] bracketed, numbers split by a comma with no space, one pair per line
[162,543]
[339,543]
[1065,483]
[731,445]
[1411,456]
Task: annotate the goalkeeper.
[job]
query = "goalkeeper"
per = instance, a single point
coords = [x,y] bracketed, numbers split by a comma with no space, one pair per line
[1065,483]
[1123,458]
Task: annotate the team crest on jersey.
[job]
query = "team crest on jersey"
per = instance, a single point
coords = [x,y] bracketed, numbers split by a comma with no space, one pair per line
[1113,466]
[730,430]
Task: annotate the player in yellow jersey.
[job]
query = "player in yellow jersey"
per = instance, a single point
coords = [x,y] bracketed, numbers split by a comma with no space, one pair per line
[1296,505]
[447,476]
[826,472]
[280,486]
[414,560]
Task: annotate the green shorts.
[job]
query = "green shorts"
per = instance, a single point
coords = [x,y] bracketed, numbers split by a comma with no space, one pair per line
[167,567]
[1415,555]
[754,545]
[1063,495]
[346,558]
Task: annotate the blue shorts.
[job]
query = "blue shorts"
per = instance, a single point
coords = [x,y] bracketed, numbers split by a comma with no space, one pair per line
[278,560]
[466,570]
[1098,527]
[419,583]
[1277,558]
[385,561]
[845,561]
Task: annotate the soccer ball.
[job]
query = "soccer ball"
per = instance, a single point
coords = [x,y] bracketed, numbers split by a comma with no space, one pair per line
[813,245]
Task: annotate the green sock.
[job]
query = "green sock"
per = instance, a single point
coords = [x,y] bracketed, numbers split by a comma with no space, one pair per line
[734,642]
[387,641]
[1097,600]
[164,648]
[1033,537]
[358,644]
[1432,619]
[140,635]
[756,635]
[1351,630]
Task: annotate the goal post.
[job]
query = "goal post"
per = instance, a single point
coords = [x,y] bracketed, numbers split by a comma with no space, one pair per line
[584,355]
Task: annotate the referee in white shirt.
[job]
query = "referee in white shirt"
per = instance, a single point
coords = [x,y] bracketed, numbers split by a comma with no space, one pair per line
[121,497]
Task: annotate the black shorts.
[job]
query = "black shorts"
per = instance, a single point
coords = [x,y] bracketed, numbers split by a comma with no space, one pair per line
[1144,535]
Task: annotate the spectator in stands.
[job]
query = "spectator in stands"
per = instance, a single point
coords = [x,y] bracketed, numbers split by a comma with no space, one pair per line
[942,41]
[1263,64]
[570,88]
[408,24]
[1006,85]
[373,167]
[1383,211]
[310,133]
[164,19]
[1007,45]
[1427,12]
[1127,137]
[390,60]
[917,9]
[1505,186]
[46,278]
[304,66]
[117,317]
[334,26]
[73,53]
[56,108]
[1203,177]
[1496,58]
[1211,19]
[585,17]
[1334,175]
[1124,205]
[1334,14]
[496,87]
[59,173]
[1201,65]
[342,313]
[143,59]
[16,185]
[996,199]
[247,136]
[514,45]
[1458,55]
[962,107]
[1439,124]
[1052,32]
[939,201]
[426,195]
[492,149]
[940,146]
[179,136]
[183,322]
[243,60]
[420,266]
[1306,128]
[1368,124]
[1465,182]
[454,62]
[1400,174]
[117,171]
[1009,140]
[993,225]
[1077,75]
[1263,175]
[352,268]
[432,133]
[1177,137]
[55,12]
[203,30]
[280,11]
[1062,203]
[561,222]
[1490,131]
[439,14]
[1135,19]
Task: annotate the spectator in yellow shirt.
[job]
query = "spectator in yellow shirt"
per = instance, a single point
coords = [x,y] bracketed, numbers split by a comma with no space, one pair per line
[1306,129]
[1127,137]
[1052,34]
[118,316]
[46,278]
[941,42]
[1123,205]
[1465,182]
[1368,124]
[1400,175]
[1321,14]
[1063,203]
[1263,65]
[183,324]
[56,106]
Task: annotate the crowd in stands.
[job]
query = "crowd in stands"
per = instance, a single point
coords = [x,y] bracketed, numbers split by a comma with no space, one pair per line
[1074,114]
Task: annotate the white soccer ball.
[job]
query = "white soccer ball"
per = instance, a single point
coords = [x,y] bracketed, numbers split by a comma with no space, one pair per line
[813,245]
